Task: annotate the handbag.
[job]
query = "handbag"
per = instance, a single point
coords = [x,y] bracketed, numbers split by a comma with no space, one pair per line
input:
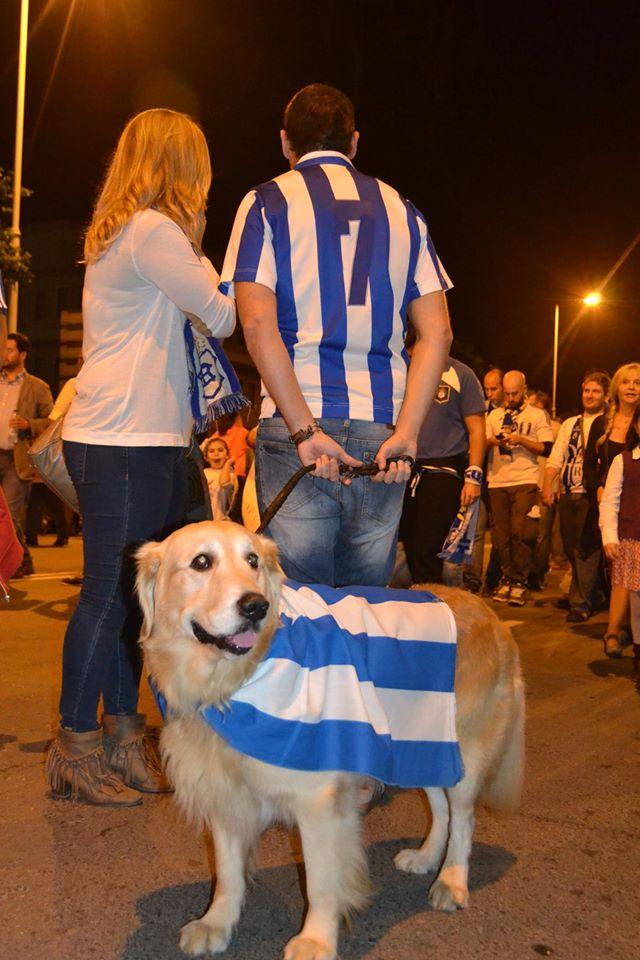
[46,455]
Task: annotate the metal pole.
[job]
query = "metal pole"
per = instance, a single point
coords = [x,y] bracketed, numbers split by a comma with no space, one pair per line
[556,328]
[17,163]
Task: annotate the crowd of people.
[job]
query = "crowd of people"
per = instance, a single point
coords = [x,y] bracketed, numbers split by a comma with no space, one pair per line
[334,278]
[544,473]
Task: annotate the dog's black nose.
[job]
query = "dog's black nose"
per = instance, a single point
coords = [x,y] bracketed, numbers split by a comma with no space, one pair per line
[253,606]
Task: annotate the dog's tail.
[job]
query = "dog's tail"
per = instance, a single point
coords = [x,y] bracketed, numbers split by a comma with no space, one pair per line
[503,791]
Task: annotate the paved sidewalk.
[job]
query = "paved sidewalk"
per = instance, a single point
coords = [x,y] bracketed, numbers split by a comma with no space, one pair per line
[558,879]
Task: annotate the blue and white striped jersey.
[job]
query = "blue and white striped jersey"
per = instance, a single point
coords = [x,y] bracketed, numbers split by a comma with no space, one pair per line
[345,254]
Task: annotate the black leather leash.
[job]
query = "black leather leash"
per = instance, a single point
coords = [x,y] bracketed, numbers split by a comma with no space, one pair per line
[346,472]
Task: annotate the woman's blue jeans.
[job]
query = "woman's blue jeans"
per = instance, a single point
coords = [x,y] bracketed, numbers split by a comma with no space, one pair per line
[127,495]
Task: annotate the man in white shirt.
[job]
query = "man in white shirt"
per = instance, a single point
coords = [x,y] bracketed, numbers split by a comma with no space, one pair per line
[578,517]
[517,434]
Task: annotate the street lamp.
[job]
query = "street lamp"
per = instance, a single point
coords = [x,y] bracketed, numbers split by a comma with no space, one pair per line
[17,163]
[592,299]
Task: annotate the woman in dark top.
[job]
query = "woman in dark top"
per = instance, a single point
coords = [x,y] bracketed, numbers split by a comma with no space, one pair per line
[611,434]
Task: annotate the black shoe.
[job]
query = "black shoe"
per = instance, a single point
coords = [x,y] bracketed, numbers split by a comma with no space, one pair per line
[32,542]
[626,638]
[24,570]
[578,616]
[562,603]
[61,542]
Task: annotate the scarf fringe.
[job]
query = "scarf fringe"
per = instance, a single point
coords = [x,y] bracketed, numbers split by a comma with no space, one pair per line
[220,408]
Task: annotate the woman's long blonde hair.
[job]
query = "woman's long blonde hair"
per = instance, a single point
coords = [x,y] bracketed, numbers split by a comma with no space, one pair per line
[162,161]
[614,401]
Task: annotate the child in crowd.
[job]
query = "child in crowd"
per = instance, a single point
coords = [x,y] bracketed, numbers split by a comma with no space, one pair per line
[220,475]
[620,526]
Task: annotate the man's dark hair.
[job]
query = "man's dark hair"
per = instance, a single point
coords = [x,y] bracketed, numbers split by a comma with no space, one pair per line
[496,370]
[319,117]
[601,377]
[22,342]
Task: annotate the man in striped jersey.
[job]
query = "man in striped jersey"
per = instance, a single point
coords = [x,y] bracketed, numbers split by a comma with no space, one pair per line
[326,264]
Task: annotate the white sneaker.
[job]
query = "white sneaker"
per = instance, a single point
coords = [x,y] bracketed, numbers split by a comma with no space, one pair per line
[518,595]
[502,593]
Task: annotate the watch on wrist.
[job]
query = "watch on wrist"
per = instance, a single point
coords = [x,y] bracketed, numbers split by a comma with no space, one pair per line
[305,433]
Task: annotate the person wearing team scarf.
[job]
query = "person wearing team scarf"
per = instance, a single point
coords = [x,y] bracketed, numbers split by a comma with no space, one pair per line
[152,371]
[578,519]
[517,434]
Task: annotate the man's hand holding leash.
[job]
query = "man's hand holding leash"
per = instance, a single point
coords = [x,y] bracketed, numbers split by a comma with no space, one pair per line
[327,454]
[400,470]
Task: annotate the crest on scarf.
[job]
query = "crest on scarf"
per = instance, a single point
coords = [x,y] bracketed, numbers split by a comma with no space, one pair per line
[213,384]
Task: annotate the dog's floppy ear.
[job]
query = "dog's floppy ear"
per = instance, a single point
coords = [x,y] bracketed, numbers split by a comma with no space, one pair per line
[269,553]
[148,560]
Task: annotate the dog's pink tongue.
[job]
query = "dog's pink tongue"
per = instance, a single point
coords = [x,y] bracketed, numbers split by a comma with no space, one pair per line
[245,639]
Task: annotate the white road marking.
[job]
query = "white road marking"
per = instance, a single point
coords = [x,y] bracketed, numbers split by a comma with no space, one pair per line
[38,577]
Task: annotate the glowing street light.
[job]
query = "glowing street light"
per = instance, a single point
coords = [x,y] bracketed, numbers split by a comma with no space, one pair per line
[592,299]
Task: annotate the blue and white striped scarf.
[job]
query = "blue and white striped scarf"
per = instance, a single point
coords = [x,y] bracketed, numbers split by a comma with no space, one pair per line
[213,385]
[358,679]
[458,546]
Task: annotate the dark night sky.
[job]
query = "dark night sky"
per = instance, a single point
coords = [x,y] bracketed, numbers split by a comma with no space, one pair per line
[514,127]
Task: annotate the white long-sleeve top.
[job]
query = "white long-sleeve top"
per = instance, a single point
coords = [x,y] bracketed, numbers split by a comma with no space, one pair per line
[610,503]
[133,389]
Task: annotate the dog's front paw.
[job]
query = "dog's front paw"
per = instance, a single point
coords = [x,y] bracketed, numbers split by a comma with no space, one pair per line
[303,948]
[448,896]
[414,861]
[199,937]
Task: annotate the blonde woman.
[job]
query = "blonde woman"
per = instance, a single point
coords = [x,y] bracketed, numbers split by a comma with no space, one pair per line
[612,434]
[126,433]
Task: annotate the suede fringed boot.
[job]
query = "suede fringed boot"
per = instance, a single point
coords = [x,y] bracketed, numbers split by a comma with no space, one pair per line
[76,769]
[131,755]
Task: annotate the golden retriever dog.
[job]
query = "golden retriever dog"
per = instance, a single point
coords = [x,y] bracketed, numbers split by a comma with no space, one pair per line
[209,595]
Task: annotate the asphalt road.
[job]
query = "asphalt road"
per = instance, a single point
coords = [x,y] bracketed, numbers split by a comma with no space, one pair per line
[561,878]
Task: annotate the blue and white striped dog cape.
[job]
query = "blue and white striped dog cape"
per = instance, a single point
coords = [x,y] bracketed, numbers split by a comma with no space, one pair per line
[359,679]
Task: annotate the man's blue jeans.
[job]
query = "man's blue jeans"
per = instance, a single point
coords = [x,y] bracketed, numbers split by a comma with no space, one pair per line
[327,532]
[127,495]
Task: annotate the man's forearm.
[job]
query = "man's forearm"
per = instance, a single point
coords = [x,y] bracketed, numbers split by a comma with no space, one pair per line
[550,475]
[534,446]
[270,356]
[257,310]
[477,447]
